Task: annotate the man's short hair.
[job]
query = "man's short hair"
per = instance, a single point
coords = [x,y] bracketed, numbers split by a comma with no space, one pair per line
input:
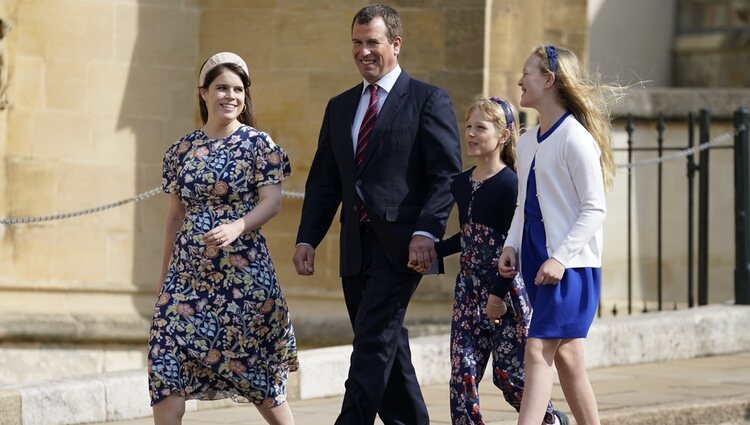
[389,15]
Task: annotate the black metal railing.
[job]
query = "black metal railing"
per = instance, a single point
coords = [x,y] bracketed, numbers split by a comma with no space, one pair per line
[741,195]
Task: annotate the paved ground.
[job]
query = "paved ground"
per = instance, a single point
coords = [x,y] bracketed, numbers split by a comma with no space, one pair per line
[701,391]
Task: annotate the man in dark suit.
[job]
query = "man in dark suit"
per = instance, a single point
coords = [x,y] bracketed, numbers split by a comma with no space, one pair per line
[387,151]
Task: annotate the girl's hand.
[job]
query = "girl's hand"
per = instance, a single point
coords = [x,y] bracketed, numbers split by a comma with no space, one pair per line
[506,265]
[222,236]
[495,308]
[550,273]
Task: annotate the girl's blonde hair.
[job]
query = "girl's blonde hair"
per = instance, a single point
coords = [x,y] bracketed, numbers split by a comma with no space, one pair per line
[586,99]
[497,111]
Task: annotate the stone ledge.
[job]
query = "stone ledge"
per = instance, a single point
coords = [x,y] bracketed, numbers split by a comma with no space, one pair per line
[678,102]
[654,337]
[713,411]
[73,328]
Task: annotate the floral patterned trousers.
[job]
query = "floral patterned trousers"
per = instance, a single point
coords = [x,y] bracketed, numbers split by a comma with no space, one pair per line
[474,339]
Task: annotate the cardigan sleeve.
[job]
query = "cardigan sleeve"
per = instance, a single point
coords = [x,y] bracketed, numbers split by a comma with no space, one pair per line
[449,246]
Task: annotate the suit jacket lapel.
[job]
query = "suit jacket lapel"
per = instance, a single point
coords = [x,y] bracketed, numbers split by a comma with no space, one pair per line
[387,113]
[347,120]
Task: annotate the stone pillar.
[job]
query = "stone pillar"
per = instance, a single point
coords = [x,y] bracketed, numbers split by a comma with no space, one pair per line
[516,27]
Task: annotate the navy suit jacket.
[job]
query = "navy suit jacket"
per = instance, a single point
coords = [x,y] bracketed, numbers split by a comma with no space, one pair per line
[404,181]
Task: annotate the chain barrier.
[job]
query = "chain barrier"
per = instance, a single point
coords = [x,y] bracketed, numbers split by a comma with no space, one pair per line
[720,140]
[136,198]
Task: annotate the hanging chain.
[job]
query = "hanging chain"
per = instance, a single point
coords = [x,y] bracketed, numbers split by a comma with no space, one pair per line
[136,198]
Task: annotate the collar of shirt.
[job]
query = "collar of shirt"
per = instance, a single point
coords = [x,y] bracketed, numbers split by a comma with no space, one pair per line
[386,82]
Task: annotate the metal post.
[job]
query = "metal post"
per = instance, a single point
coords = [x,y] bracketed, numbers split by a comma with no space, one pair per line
[741,208]
[692,168]
[630,128]
[660,126]
[704,131]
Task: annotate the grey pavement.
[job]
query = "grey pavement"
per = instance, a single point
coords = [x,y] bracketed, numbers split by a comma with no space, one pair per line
[703,390]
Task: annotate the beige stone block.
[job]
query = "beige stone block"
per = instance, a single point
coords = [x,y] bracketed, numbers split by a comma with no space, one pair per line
[10,406]
[65,86]
[251,36]
[19,132]
[157,34]
[62,137]
[277,99]
[464,34]
[234,4]
[292,33]
[112,142]
[32,187]
[26,86]
[86,185]
[81,29]
[427,49]
[129,91]
[565,14]
[183,95]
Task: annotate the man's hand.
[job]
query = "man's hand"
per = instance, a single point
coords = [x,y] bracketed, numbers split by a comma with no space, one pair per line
[304,259]
[421,253]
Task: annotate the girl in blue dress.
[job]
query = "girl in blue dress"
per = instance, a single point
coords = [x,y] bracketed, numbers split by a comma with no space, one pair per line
[221,326]
[481,328]
[564,165]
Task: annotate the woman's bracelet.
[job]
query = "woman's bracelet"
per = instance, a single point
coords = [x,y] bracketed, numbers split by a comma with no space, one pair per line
[494,305]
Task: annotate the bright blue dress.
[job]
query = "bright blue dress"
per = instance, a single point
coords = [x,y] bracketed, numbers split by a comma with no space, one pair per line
[564,310]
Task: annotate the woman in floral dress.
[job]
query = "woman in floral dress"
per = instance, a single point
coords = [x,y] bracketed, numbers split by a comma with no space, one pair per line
[483,326]
[221,327]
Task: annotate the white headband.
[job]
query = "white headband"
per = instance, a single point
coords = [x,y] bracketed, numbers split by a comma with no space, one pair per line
[218,59]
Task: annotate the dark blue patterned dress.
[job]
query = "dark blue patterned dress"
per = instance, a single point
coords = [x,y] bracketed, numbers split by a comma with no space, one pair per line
[473,338]
[221,327]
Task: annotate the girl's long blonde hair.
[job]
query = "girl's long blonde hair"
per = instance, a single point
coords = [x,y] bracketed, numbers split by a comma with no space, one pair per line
[494,113]
[588,100]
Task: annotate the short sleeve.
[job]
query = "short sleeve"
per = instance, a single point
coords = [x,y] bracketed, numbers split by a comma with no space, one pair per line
[169,168]
[272,164]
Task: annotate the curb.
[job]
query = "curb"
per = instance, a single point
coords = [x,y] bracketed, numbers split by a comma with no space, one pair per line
[712,411]
[673,335]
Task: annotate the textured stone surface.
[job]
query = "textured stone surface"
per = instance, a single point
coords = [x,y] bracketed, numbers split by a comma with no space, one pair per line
[10,408]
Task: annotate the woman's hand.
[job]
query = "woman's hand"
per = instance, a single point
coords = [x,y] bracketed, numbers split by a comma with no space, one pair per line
[549,273]
[222,236]
[506,265]
[495,308]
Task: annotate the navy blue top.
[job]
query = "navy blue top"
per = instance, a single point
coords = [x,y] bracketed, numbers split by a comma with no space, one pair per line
[493,205]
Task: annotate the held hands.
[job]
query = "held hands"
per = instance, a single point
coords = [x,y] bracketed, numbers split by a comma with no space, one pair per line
[550,272]
[506,264]
[495,308]
[421,253]
[222,236]
[304,259]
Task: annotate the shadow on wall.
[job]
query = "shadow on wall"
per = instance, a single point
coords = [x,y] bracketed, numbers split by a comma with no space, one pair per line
[158,107]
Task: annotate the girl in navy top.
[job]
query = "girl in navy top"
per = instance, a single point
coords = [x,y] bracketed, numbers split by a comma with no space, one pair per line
[564,165]
[490,313]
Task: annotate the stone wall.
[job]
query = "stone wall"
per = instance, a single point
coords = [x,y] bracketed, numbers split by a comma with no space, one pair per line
[712,46]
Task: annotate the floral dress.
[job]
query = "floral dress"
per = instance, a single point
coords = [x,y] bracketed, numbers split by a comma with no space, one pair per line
[473,338]
[221,326]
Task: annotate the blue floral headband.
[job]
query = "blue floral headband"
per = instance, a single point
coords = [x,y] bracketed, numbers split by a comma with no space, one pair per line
[506,110]
[551,57]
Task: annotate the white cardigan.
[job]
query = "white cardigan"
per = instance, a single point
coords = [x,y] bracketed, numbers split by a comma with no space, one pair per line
[570,189]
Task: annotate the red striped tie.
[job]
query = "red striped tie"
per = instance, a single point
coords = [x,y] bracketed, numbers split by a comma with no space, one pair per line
[368,122]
